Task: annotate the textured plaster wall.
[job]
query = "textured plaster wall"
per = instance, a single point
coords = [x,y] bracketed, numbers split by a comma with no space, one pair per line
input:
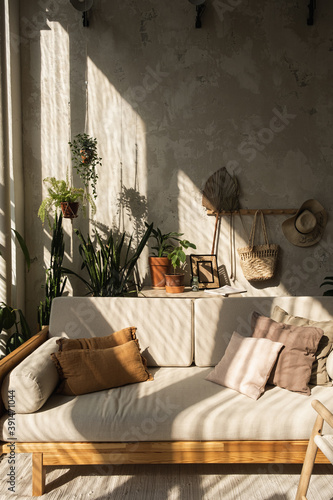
[169,105]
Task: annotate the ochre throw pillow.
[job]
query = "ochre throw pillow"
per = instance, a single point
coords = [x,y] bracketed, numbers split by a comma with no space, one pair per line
[319,375]
[246,365]
[112,340]
[88,370]
[292,370]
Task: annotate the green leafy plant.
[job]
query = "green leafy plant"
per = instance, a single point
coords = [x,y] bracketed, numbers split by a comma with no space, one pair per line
[163,244]
[177,256]
[9,318]
[110,267]
[61,191]
[328,292]
[86,160]
[55,283]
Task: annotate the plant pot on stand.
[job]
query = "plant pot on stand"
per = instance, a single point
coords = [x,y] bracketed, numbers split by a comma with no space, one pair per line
[174,283]
[159,267]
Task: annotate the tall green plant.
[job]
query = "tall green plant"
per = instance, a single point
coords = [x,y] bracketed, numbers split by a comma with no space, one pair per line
[55,283]
[111,267]
[10,317]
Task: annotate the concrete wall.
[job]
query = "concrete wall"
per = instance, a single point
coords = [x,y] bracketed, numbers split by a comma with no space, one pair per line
[169,105]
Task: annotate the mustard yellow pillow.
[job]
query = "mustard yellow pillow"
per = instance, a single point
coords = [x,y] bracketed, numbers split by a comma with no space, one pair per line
[88,370]
[112,340]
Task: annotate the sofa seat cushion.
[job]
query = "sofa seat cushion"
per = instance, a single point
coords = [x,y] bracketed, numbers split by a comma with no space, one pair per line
[178,405]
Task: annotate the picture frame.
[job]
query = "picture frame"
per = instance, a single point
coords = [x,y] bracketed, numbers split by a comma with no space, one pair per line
[206,269]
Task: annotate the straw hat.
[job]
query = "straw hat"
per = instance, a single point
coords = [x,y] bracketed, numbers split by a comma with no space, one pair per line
[307,226]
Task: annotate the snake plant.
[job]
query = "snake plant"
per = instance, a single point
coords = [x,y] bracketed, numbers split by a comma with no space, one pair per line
[110,266]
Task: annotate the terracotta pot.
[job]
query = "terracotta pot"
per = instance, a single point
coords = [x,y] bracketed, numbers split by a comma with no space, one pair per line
[159,266]
[86,155]
[174,283]
[69,210]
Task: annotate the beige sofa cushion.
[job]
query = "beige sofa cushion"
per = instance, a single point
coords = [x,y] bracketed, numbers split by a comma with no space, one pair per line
[33,380]
[216,318]
[319,375]
[88,370]
[246,365]
[164,326]
[293,367]
[178,405]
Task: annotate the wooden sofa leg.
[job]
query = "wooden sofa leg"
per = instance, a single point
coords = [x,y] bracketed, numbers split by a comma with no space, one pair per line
[309,460]
[38,475]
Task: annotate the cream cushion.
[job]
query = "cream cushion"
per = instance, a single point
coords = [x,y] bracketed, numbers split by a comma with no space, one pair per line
[33,380]
[216,320]
[164,326]
[178,405]
[246,365]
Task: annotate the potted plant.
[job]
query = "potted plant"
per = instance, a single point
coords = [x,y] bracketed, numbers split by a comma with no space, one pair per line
[86,160]
[110,264]
[159,262]
[174,283]
[62,195]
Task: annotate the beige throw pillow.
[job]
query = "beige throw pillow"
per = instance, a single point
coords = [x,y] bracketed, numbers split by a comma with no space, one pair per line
[88,370]
[246,365]
[293,367]
[319,375]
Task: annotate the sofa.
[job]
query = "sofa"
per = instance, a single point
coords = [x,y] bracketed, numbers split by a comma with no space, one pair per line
[178,415]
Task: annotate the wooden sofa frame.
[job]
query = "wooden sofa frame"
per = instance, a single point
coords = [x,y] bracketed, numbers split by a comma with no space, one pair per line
[160,452]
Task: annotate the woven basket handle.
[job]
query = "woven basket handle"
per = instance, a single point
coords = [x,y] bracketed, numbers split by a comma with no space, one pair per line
[253,229]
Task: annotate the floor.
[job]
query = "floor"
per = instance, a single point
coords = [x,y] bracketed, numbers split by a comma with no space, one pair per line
[167,482]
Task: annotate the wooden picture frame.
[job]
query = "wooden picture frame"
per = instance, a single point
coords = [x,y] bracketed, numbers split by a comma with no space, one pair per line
[205,268]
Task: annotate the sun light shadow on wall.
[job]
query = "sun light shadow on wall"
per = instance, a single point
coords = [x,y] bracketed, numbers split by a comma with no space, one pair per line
[122,146]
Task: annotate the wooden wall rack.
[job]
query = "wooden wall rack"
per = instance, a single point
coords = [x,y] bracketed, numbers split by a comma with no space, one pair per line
[252,211]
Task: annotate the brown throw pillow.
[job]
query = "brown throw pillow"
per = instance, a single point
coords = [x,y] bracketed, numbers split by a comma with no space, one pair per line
[319,375]
[112,340]
[88,370]
[292,370]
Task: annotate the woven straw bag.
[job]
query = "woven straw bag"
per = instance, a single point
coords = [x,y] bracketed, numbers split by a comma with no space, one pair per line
[258,262]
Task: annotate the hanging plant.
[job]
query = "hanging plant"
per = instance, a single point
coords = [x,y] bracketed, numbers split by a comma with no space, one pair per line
[86,160]
[62,195]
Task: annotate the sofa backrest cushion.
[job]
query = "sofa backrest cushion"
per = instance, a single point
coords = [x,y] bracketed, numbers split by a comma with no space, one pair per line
[215,319]
[32,381]
[164,326]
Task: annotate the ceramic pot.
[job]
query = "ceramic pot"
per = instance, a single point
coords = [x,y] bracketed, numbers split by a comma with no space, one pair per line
[159,267]
[174,283]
